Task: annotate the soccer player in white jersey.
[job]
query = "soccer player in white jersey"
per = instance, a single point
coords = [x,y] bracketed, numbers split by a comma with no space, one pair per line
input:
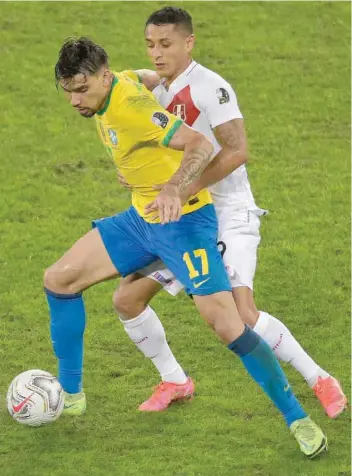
[205,101]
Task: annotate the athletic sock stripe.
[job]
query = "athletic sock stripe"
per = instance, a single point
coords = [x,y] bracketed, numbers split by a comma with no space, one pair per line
[62,296]
[245,343]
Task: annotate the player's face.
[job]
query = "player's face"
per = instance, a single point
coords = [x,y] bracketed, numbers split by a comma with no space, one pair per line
[87,93]
[169,48]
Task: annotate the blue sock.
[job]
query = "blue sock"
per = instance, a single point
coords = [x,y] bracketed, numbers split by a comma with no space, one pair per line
[262,365]
[67,324]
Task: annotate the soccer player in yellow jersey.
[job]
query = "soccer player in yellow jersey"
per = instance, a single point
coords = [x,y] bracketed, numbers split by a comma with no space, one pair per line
[145,142]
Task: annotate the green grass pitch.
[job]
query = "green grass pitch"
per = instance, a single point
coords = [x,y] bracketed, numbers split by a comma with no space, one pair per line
[290,65]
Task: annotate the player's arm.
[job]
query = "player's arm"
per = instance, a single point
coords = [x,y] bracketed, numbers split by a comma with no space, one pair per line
[232,137]
[197,151]
[218,102]
[149,78]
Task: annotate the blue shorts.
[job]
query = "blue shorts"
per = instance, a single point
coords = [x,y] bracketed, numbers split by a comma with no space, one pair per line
[187,247]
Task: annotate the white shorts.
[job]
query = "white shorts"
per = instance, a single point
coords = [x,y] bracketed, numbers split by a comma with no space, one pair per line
[238,242]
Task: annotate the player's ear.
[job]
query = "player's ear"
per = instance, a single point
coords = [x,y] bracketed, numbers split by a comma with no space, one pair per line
[190,43]
[106,78]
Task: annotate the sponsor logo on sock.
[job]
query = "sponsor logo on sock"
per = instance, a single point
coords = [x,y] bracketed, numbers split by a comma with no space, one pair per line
[140,341]
[278,343]
[286,388]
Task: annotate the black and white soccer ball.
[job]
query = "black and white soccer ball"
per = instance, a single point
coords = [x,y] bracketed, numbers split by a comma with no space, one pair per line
[35,397]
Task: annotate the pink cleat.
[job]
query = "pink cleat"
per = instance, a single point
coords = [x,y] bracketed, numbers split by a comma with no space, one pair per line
[165,393]
[329,392]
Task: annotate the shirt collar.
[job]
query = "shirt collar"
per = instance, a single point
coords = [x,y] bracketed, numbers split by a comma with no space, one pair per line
[185,73]
[107,102]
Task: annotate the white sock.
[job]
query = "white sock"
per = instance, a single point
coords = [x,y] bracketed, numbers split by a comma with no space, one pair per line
[287,349]
[148,333]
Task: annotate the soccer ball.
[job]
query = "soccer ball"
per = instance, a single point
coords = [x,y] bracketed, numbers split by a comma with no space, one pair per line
[35,397]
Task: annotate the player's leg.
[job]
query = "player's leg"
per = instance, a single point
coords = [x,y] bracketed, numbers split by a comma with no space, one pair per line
[101,254]
[327,389]
[240,257]
[240,240]
[261,364]
[85,264]
[142,325]
[196,262]
[133,295]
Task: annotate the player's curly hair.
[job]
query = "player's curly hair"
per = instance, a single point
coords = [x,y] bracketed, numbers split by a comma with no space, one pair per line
[171,15]
[79,55]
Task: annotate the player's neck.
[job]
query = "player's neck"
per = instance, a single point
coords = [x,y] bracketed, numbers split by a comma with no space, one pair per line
[106,98]
[171,79]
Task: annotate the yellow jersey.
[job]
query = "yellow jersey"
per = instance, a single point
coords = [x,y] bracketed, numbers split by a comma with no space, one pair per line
[136,131]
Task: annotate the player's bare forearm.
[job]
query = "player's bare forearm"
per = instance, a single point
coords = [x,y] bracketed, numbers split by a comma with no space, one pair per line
[232,137]
[197,153]
[223,164]
[149,78]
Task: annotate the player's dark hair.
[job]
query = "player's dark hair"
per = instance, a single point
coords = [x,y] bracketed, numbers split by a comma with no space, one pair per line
[171,15]
[79,55]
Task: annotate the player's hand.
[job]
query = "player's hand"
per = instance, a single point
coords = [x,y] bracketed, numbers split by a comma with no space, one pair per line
[184,194]
[167,203]
[122,181]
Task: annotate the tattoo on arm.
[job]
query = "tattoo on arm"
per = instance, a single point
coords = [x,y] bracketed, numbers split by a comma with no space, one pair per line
[231,134]
[192,166]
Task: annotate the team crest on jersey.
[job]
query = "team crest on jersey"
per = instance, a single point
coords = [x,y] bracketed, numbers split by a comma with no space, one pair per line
[160,119]
[222,95]
[113,136]
[179,110]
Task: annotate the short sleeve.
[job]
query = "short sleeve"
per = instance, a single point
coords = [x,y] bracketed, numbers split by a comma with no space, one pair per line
[218,101]
[148,121]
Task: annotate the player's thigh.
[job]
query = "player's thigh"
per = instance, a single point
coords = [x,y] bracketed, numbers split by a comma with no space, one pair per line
[220,312]
[125,237]
[127,280]
[134,294]
[84,264]
[189,250]
[114,247]
[247,309]
[198,265]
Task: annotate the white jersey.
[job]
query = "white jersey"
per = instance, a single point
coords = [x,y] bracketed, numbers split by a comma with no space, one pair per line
[204,100]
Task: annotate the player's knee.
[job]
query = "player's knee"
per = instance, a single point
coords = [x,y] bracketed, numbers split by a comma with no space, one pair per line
[248,315]
[221,314]
[125,304]
[61,280]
